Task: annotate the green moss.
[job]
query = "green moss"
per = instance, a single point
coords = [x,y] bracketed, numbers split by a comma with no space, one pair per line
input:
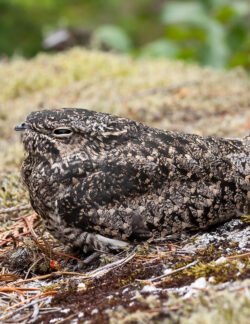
[143,249]
[246,219]
[210,253]
[10,195]
[131,278]
[106,259]
[221,272]
[50,287]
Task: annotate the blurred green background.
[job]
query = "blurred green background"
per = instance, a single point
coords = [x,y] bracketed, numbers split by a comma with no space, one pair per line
[211,32]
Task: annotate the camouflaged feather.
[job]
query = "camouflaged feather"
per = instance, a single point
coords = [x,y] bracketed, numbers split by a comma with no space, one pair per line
[111,179]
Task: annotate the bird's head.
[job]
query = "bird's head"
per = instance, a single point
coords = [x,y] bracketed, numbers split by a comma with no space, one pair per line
[64,131]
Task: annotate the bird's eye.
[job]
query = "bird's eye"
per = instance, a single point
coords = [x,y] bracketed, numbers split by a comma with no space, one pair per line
[62,132]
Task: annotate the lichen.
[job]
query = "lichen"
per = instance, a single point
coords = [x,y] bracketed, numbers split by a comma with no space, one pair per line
[214,307]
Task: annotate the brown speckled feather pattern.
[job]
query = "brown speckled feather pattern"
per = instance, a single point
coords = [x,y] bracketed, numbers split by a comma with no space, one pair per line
[111,180]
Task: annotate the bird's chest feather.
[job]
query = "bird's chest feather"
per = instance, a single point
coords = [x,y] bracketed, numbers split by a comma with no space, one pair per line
[51,181]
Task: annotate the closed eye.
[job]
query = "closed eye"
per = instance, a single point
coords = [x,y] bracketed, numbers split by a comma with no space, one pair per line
[62,132]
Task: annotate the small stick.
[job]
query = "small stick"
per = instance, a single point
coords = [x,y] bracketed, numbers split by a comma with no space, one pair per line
[66,319]
[30,228]
[11,289]
[36,312]
[58,273]
[19,320]
[14,209]
[46,295]
[244,255]
[49,293]
[111,266]
[33,264]
[172,272]
[21,288]
[7,240]
[66,255]
[98,272]
[8,277]
[35,278]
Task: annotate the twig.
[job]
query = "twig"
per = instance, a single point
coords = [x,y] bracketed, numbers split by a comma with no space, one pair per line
[66,255]
[11,289]
[35,278]
[244,255]
[69,273]
[30,228]
[33,264]
[10,238]
[172,272]
[14,209]
[111,266]
[36,239]
[7,240]
[19,320]
[36,311]
[58,273]
[8,277]
[46,295]
[96,273]
[66,319]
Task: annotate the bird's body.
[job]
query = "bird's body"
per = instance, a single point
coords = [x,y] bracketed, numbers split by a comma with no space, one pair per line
[99,180]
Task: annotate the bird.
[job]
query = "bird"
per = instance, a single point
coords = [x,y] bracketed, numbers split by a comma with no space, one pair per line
[102,182]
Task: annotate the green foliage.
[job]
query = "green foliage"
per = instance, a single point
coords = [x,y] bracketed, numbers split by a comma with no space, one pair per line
[113,37]
[161,48]
[208,27]
[211,32]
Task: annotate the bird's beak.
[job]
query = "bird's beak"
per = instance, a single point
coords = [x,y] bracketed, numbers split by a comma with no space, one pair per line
[21,127]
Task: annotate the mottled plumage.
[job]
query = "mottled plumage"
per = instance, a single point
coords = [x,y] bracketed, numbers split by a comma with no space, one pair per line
[99,181]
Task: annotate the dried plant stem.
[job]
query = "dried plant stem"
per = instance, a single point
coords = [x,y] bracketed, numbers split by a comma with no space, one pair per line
[14,209]
[244,255]
[172,272]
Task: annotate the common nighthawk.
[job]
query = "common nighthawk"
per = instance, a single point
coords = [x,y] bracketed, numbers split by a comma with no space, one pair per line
[99,181]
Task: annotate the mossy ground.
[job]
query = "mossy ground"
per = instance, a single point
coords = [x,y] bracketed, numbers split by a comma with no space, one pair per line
[165,94]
